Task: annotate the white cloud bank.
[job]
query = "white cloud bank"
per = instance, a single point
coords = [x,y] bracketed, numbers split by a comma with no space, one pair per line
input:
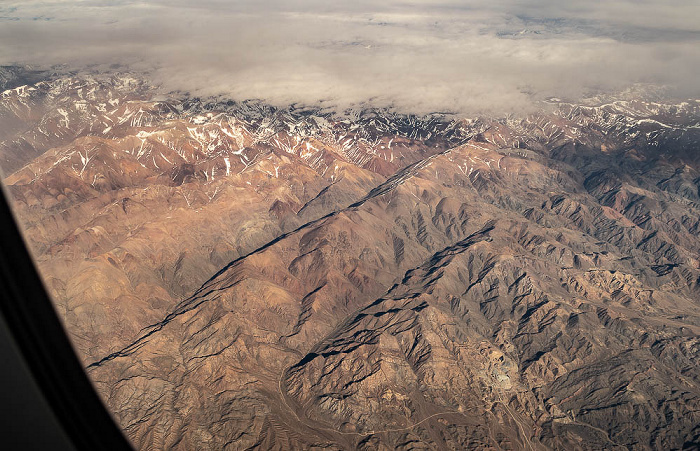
[419,56]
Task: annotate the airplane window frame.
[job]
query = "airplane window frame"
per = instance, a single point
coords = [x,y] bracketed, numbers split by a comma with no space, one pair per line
[36,330]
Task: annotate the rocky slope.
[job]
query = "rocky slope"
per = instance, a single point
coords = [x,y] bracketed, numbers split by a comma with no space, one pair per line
[241,276]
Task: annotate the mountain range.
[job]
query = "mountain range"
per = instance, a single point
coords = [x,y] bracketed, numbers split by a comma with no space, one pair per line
[236,275]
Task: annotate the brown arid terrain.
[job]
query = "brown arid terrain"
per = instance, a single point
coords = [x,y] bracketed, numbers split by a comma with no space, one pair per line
[240,276]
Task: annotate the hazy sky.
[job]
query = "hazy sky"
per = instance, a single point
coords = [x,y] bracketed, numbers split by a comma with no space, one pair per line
[465,56]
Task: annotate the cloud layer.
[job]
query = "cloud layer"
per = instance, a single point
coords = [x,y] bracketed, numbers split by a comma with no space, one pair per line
[418,56]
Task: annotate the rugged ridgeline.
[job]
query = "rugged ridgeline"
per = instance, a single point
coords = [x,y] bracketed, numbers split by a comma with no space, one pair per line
[247,277]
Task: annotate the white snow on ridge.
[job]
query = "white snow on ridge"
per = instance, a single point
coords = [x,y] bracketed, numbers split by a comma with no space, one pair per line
[66,120]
